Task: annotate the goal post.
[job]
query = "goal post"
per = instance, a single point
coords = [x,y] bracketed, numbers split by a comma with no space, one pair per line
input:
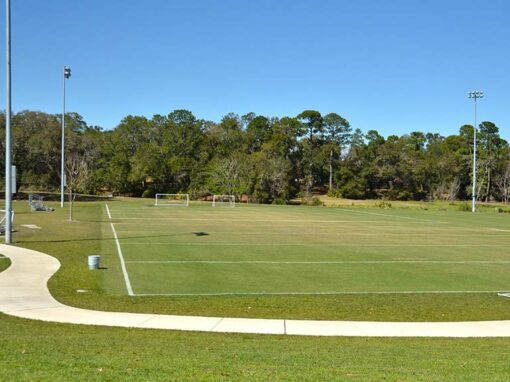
[224,201]
[181,200]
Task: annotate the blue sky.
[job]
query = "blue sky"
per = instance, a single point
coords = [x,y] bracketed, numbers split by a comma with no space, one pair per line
[395,66]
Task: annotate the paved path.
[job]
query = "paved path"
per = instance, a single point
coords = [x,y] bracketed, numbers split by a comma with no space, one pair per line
[24,293]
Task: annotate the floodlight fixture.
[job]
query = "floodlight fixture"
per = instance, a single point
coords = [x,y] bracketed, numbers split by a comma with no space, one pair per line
[475,95]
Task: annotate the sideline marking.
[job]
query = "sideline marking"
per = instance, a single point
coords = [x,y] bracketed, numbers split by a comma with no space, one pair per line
[121,257]
[319,262]
[319,293]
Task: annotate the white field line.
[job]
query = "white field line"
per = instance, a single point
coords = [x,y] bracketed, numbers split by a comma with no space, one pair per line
[380,222]
[320,262]
[254,220]
[500,230]
[314,233]
[394,216]
[315,245]
[321,293]
[121,257]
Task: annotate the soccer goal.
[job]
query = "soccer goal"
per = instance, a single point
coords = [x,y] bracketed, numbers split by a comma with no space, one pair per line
[224,201]
[36,203]
[172,200]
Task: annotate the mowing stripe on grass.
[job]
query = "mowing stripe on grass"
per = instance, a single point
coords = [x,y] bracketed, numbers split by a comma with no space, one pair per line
[417,220]
[121,257]
[256,220]
[315,245]
[318,262]
[321,293]
[395,217]
[293,233]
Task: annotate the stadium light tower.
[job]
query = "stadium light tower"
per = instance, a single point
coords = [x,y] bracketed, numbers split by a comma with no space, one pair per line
[474,95]
[67,74]
[8,139]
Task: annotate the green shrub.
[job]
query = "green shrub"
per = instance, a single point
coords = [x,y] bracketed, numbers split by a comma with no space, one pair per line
[335,193]
[279,201]
[383,204]
[312,201]
[352,190]
[149,193]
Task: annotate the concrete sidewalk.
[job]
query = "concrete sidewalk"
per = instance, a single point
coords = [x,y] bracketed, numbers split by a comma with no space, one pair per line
[24,293]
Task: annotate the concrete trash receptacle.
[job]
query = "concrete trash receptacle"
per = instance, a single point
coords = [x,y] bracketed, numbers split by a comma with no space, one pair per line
[94,262]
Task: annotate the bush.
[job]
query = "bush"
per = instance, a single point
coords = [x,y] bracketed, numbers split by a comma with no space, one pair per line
[352,190]
[499,210]
[335,193]
[313,201]
[383,204]
[149,193]
[279,201]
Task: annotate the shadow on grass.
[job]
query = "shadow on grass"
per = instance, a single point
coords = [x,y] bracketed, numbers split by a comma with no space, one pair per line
[112,239]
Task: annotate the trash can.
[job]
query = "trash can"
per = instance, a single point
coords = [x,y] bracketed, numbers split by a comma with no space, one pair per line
[94,262]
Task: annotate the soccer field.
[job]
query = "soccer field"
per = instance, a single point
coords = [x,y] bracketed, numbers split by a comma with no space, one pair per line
[292,250]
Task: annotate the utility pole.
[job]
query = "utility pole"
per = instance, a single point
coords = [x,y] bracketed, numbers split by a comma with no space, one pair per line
[8,129]
[67,74]
[474,96]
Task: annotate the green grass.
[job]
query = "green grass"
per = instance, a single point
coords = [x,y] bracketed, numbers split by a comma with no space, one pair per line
[56,352]
[329,234]
[38,351]
[289,250]
[4,263]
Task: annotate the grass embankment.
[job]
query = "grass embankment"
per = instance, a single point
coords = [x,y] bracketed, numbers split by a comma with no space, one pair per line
[458,205]
[32,350]
[4,263]
[72,242]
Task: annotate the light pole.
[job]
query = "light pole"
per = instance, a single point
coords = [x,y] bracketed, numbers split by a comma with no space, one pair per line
[67,74]
[474,96]
[8,139]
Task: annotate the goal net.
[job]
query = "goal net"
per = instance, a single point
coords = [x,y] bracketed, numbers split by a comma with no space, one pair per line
[172,200]
[224,201]
[36,203]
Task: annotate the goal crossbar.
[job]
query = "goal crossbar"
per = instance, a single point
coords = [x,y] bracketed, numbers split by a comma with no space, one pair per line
[181,200]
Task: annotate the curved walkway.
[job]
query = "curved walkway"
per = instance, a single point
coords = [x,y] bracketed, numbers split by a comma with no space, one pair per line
[24,293]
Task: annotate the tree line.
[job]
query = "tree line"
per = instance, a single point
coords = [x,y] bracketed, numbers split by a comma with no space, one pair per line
[263,159]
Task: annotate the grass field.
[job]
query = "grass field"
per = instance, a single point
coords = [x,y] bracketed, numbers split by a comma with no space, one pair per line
[279,249]
[54,352]
[288,250]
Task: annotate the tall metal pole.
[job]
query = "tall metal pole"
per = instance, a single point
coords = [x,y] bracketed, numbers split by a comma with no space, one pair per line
[473,205]
[8,148]
[62,171]
[474,95]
